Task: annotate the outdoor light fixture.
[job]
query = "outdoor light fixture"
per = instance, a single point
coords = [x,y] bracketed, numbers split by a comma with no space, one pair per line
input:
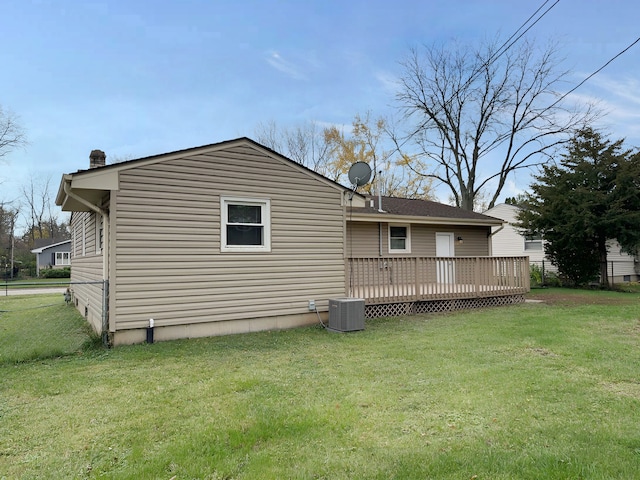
[460,240]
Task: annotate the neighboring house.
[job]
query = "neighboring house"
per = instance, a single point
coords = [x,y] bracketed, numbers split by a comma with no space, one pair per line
[510,241]
[55,255]
[233,237]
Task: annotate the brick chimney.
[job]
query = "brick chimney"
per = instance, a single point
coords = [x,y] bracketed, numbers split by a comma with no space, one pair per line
[97,158]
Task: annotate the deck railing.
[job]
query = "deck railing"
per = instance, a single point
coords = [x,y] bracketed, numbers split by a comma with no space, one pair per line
[410,279]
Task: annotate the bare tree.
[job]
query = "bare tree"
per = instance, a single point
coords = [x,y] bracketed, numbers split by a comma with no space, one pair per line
[41,222]
[113,159]
[482,114]
[8,217]
[304,144]
[331,150]
[11,133]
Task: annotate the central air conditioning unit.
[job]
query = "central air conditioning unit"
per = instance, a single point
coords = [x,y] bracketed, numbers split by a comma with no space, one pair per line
[346,314]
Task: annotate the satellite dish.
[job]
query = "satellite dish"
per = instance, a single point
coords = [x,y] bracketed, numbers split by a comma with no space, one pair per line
[359,174]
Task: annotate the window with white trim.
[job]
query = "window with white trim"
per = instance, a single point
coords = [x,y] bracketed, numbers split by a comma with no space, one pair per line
[533,242]
[399,238]
[63,258]
[245,224]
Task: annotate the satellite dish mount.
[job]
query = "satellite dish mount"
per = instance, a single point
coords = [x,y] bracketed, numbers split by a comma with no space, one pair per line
[359,174]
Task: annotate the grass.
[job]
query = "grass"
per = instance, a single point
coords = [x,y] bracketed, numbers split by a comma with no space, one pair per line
[548,390]
[34,327]
[628,287]
[32,283]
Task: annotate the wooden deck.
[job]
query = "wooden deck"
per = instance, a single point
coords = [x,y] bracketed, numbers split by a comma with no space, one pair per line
[416,279]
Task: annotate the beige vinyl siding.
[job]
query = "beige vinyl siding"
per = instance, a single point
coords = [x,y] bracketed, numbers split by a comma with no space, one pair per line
[168,264]
[363,240]
[86,268]
[74,239]
[475,241]
[83,231]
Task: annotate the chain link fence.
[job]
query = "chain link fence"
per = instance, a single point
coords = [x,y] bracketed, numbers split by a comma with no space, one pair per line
[91,298]
[544,273]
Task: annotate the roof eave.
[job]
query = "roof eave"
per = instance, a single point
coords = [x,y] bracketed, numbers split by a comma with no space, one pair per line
[391,218]
[46,247]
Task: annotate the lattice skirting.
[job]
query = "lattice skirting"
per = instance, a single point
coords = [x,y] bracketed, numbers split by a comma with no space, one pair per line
[435,306]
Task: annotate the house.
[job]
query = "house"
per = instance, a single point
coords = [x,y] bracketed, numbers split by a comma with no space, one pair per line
[510,241]
[233,237]
[54,255]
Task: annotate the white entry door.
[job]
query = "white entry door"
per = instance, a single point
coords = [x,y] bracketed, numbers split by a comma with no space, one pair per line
[444,248]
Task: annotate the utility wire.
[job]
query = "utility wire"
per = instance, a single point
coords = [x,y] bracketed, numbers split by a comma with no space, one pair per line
[497,54]
[505,46]
[595,73]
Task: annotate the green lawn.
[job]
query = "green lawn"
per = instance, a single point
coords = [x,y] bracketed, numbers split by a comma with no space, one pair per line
[536,391]
[32,283]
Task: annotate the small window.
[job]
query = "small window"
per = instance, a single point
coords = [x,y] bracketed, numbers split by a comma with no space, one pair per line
[246,225]
[63,258]
[399,240]
[533,242]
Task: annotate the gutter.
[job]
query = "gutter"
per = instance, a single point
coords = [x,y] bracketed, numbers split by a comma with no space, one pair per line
[492,234]
[67,190]
[393,218]
[498,230]
[105,253]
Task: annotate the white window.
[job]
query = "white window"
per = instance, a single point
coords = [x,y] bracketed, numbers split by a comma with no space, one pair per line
[245,225]
[399,239]
[533,242]
[63,258]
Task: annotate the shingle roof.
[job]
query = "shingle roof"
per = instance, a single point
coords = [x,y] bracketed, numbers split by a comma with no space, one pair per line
[419,208]
[50,245]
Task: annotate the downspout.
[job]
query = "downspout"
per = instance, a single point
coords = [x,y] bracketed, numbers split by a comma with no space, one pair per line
[105,252]
[491,235]
[86,203]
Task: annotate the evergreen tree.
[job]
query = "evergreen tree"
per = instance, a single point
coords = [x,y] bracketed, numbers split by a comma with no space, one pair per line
[590,197]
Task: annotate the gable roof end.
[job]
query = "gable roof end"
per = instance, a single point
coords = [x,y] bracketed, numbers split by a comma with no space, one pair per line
[105,178]
[46,247]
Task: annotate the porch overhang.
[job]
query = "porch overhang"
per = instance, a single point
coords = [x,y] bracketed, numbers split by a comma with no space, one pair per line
[88,186]
[391,218]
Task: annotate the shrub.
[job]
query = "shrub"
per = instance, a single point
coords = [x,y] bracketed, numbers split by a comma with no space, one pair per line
[535,273]
[551,279]
[56,273]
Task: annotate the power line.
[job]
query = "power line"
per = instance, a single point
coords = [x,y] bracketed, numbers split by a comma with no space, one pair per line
[508,43]
[595,73]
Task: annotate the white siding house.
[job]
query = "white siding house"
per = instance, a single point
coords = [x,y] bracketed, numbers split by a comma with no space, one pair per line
[510,241]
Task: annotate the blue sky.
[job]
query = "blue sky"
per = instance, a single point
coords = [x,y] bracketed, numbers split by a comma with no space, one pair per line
[141,77]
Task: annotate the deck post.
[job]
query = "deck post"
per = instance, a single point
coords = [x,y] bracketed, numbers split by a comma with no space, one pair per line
[416,267]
